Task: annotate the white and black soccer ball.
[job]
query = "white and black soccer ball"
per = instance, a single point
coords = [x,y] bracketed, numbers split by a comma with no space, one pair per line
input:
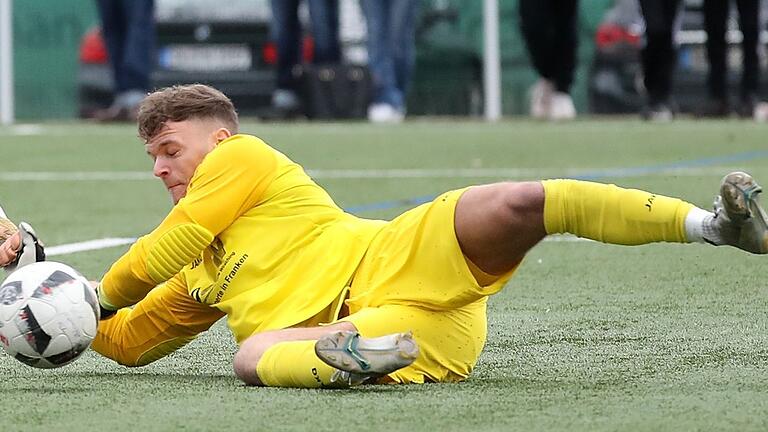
[48,314]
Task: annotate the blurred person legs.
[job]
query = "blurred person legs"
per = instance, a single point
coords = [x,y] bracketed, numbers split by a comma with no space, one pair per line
[324,18]
[128,27]
[749,23]
[549,29]
[716,14]
[391,55]
[287,34]
[715,22]
[659,56]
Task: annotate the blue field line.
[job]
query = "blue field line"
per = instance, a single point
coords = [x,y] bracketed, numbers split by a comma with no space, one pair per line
[596,175]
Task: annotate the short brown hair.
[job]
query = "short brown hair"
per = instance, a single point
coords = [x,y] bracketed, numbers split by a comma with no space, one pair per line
[184,102]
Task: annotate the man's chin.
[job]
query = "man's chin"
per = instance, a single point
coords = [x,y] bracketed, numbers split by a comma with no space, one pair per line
[177,193]
[176,198]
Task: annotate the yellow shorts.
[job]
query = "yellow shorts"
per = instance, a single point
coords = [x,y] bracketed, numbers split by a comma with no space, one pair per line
[414,277]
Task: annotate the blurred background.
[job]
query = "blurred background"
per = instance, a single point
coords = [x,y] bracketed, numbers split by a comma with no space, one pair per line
[61,68]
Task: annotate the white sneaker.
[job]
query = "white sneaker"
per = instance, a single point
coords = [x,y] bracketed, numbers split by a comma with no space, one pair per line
[658,113]
[541,97]
[360,359]
[760,112]
[561,107]
[286,100]
[384,113]
[739,220]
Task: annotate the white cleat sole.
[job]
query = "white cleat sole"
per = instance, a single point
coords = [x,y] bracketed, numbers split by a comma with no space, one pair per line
[739,197]
[348,351]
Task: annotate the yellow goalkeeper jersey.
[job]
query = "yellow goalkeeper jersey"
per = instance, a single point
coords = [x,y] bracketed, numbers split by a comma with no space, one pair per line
[281,249]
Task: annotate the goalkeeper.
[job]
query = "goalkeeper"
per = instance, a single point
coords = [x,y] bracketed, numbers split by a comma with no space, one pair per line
[316,297]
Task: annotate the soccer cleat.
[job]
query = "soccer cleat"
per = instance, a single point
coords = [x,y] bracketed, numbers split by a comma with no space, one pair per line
[360,359]
[739,220]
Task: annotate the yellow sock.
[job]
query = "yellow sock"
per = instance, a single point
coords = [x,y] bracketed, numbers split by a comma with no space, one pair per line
[293,364]
[611,214]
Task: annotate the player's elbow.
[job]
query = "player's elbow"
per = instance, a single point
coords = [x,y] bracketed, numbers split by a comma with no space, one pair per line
[126,359]
[130,362]
[141,356]
[130,359]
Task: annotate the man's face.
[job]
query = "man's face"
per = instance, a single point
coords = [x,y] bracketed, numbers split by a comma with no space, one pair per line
[179,148]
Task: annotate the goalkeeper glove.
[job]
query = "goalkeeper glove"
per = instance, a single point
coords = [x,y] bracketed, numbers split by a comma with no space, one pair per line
[31,249]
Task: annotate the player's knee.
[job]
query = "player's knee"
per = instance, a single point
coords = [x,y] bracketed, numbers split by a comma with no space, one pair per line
[520,201]
[248,356]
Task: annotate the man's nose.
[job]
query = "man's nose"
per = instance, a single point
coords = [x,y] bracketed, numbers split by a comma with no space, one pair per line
[160,169]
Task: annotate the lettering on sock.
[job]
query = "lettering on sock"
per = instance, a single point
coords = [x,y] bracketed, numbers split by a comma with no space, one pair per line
[649,204]
[316,376]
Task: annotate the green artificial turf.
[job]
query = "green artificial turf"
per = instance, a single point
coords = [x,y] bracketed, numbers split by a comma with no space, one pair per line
[585,337]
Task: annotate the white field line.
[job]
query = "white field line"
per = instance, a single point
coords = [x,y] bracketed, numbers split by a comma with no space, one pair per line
[109,242]
[511,173]
[88,245]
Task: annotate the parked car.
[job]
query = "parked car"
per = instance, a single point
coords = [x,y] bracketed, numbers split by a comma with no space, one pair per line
[230,48]
[226,47]
[616,77]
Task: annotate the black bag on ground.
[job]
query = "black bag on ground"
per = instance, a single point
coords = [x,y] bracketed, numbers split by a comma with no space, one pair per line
[334,91]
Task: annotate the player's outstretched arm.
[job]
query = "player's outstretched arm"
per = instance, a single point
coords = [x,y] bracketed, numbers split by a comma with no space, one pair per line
[162,322]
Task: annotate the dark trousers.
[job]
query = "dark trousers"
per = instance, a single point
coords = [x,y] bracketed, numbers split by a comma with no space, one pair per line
[128,27]
[716,14]
[287,34]
[659,56]
[549,30]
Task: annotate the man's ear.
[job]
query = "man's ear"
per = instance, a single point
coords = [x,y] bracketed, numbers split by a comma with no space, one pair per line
[222,134]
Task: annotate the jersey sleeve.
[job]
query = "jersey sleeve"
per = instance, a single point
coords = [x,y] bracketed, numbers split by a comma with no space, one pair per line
[161,323]
[230,181]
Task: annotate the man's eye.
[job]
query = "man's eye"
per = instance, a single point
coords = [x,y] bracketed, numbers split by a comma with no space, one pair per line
[173,153]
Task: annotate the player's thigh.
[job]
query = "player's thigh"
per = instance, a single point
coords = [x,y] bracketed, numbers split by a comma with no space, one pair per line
[416,259]
[450,341]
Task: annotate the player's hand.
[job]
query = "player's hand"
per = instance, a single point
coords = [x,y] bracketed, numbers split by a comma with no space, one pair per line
[21,248]
[8,249]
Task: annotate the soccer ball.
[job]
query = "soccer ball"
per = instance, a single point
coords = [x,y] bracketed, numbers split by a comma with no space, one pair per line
[48,314]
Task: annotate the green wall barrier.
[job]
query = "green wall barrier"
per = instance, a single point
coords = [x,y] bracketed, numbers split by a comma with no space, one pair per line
[46,38]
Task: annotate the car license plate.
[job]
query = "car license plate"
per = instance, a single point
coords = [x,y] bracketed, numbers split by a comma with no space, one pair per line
[205,58]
